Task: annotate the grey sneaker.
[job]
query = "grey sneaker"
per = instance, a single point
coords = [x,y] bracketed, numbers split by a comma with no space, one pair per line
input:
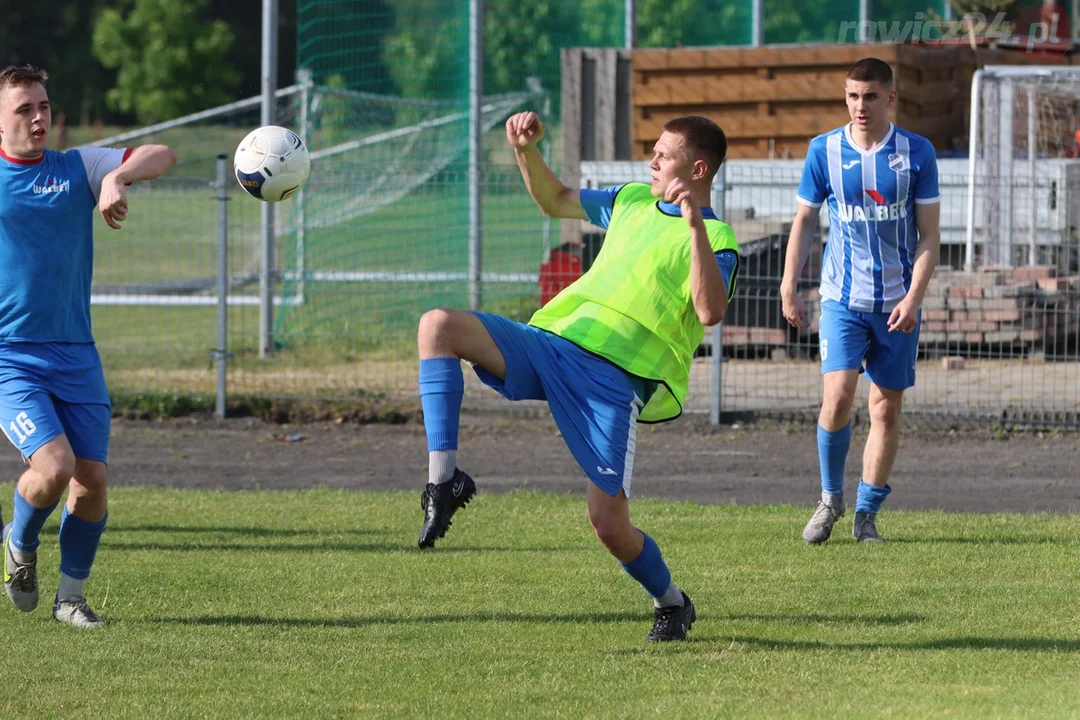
[864,529]
[75,611]
[829,510]
[20,579]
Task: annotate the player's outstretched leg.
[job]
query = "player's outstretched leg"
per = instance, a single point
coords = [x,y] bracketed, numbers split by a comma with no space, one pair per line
[639,555]
[448,489]
[444,338]
[20,545]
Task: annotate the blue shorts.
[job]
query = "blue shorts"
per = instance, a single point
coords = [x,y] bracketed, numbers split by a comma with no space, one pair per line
[594,403]
[53,389]
[848,337]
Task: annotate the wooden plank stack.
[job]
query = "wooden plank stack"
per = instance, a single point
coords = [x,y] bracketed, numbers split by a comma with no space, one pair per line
[772,100]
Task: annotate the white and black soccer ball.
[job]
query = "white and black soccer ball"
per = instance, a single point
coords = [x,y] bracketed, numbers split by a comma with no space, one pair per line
[271,163]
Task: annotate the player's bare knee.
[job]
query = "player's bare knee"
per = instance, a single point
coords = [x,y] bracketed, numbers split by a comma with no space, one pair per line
[90,479]
[836,409]
[612,529]
[435,331]
[55,463]
[885,411]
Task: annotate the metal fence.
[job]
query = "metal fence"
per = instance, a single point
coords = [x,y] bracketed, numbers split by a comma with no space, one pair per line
[996,343]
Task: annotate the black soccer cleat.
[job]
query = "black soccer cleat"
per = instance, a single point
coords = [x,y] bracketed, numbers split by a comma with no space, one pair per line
[440,502]
[673,622]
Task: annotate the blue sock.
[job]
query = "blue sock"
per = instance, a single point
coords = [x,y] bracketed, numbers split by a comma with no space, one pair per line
[649,569]
[441,389]
[27,523]
[833,448]
[871,497]
[79,542]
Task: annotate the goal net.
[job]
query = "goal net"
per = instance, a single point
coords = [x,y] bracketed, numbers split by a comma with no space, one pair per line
[1024,168]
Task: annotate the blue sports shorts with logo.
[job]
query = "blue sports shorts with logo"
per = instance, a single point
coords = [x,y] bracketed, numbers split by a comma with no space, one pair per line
[847,338]
[594,403]
[53,389]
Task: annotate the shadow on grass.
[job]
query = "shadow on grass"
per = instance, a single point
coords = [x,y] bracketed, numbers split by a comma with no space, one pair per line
[358,622]
[237,530]
[384,547]
[711,645]
[814,619]
[1033,644]
[1028,540]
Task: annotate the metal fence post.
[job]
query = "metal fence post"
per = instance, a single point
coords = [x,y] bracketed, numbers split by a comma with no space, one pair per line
[222,348]
[269,237]
[718,202]
[304,80]
[476,149]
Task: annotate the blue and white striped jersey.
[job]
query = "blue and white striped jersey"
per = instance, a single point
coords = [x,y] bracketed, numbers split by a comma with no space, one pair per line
[872,196]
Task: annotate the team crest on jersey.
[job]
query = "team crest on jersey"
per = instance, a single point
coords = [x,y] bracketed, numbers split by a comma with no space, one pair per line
[897,162]
[52,185]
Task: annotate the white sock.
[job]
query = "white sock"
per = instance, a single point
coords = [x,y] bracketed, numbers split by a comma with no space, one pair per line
[70,587]
[21,557]
[673,596]
[441,464]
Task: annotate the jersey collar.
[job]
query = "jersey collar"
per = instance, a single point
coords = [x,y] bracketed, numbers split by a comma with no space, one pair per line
[674,211]
[859,149]
[19,161]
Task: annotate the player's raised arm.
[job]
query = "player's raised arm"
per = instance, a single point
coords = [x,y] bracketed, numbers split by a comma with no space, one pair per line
[146,162]
[523,131]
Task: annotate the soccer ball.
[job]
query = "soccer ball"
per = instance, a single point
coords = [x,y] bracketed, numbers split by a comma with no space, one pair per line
[271,163]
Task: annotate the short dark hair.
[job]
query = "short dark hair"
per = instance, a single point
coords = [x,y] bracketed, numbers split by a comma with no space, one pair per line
[20,76]
[703,136]
[871,70]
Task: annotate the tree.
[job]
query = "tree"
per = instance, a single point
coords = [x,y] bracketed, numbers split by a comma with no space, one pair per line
[427,51]
[693,23]
[522,38]
[170,60]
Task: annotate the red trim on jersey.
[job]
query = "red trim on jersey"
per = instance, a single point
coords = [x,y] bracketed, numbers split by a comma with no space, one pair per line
[19,161]
[127,154]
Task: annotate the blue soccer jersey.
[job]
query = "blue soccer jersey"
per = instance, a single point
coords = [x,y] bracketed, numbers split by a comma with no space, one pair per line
[872,197]
[46,243]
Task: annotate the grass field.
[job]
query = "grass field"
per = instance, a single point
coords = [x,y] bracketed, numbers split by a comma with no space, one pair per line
[318,604]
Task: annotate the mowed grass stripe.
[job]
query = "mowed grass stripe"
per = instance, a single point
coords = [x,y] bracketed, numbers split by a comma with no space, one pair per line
[317,603]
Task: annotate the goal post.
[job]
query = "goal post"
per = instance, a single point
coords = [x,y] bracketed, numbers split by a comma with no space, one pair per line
[1023,167]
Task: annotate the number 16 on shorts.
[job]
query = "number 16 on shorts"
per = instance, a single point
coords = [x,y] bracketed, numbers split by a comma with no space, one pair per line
[20,429]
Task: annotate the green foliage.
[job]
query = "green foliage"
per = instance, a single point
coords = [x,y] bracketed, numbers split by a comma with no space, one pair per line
[602,23]
[671,23]
[427,53]
[523,39]
[791,22]
[169,60]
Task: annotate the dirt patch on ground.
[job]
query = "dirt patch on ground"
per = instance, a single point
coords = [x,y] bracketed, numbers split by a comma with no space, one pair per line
[957,470]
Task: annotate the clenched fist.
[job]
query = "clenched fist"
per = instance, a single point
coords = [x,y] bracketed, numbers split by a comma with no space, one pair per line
[524,129]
